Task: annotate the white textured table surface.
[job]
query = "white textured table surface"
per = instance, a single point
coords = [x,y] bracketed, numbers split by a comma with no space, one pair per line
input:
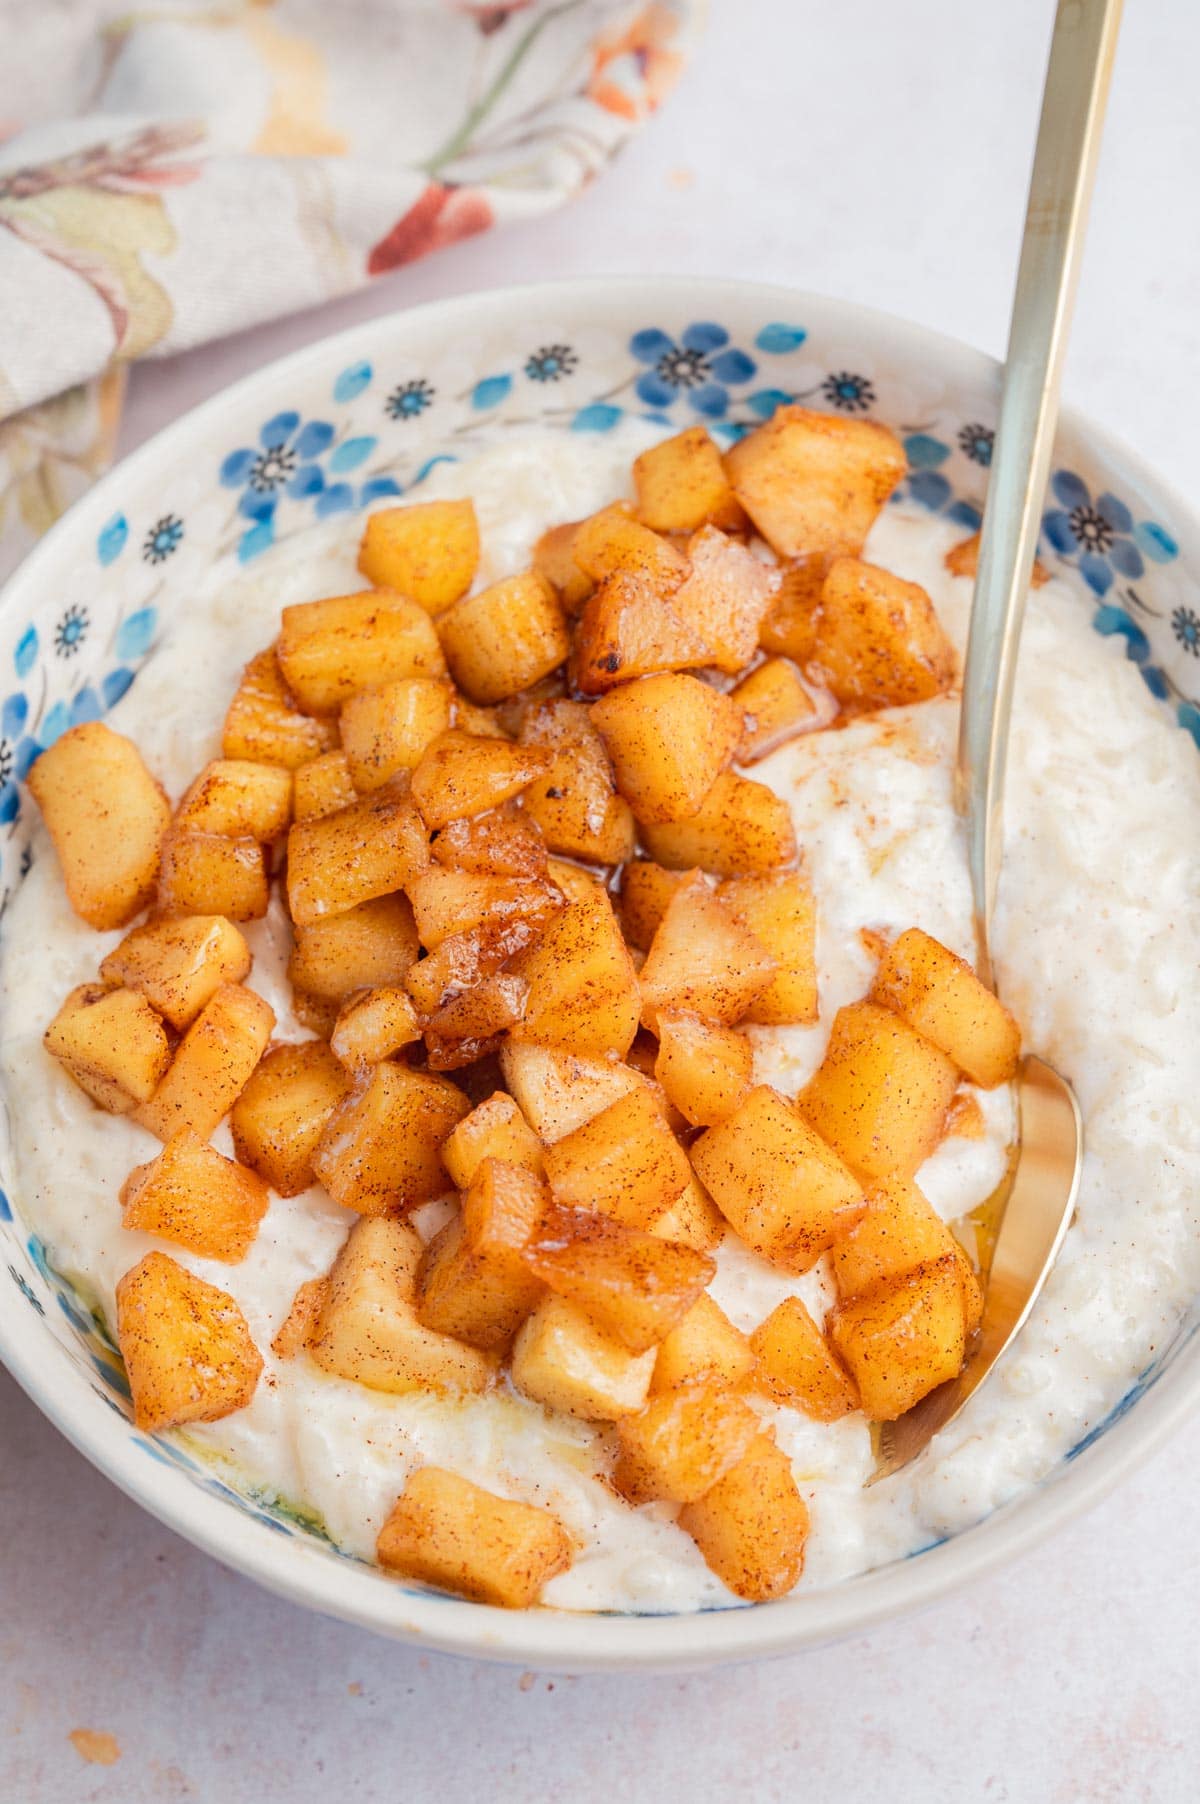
[879,152]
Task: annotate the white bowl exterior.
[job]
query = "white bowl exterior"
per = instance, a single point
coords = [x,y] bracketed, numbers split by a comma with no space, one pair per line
[576,356]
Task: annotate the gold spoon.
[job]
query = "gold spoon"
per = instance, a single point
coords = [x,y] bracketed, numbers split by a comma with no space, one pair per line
[1045,1179]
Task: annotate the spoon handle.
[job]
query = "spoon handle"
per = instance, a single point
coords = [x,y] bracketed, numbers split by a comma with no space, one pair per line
[1068,144]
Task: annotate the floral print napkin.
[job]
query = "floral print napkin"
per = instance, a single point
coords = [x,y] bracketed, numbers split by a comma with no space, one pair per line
[175,171]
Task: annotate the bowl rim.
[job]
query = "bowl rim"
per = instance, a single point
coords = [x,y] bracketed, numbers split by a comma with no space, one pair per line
[558,1640]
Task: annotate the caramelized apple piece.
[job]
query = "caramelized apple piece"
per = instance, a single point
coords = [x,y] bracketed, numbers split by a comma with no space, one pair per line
[445,1531]
[880,1095]
[741,826]
[782,1189]
[702,960]
[368,1329]
[112,1043]
[177,965]
[625,1162]
[583,991]
[553,558]
[365,851]
[557,1091]
[780,912]
[381,1148]
[202,873]
[879,642]
[626,631]
[186,1346]
[705,1070]
[612,543]
[682,1444]
[682,485]
[372,1026]
[798,1367]
[495,1129]
[366,947]
[427,550]
[815,482]
[502,843]
[329,650]
[505,638]
[476,1282]
[646,889]
[752,1526]
[211,1066]
[725,598]
[295,1333]
[634,1285]
[239,799]
[264,723]
[574,799]
[281,1113]
[939,994]
[703,1348]
[106,816]
[669,738]
[192,1195]
[900,1231]
[776,707]
[390,729]
[904,1337]
[563,1360]
[322,786]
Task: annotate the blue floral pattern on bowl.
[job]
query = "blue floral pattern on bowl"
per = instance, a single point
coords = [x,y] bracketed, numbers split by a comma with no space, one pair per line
[353,434]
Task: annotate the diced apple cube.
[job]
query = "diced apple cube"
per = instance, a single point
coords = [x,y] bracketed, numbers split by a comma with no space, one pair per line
[682,485]
[295,1333]
[461,774]
[211,1066]
[112,1043]
[903,1338]
[554,558]
[239,799]
[880,1095]
[900,1231]
[669,738]
[725,598]
[495,1129]
[368,1329]
[646,889]
[363,949]
[264,723]
[427,550]
[781,1188]
[775,706]
[634,1285]
[505,842]
[205,874]
[879,643]
[815,482]
[702,960]
[329,650]
[939,994]
[557,1091]
[625,1162]
[563,1360]
[752,1526]
[465,961]
[790,629]
[381,1148]
[447,902]
[106,816]
[741,826]
[583,990]
[191,1194]
[682,1444]
[505,638]
[322,786]
[281,1113]
[186,1346]
[612,542]
[627,630]
[475,1282]
[444,1531]
[374,1025]
[472,1025]
[390,729]
[693,1219]
[798,1367]
[780,912]
[574,799]
[705,1070]
[367,850]
[178,965]
[704,1348]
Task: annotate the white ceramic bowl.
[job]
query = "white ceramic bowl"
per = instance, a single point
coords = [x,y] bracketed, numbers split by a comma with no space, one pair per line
[363,415]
